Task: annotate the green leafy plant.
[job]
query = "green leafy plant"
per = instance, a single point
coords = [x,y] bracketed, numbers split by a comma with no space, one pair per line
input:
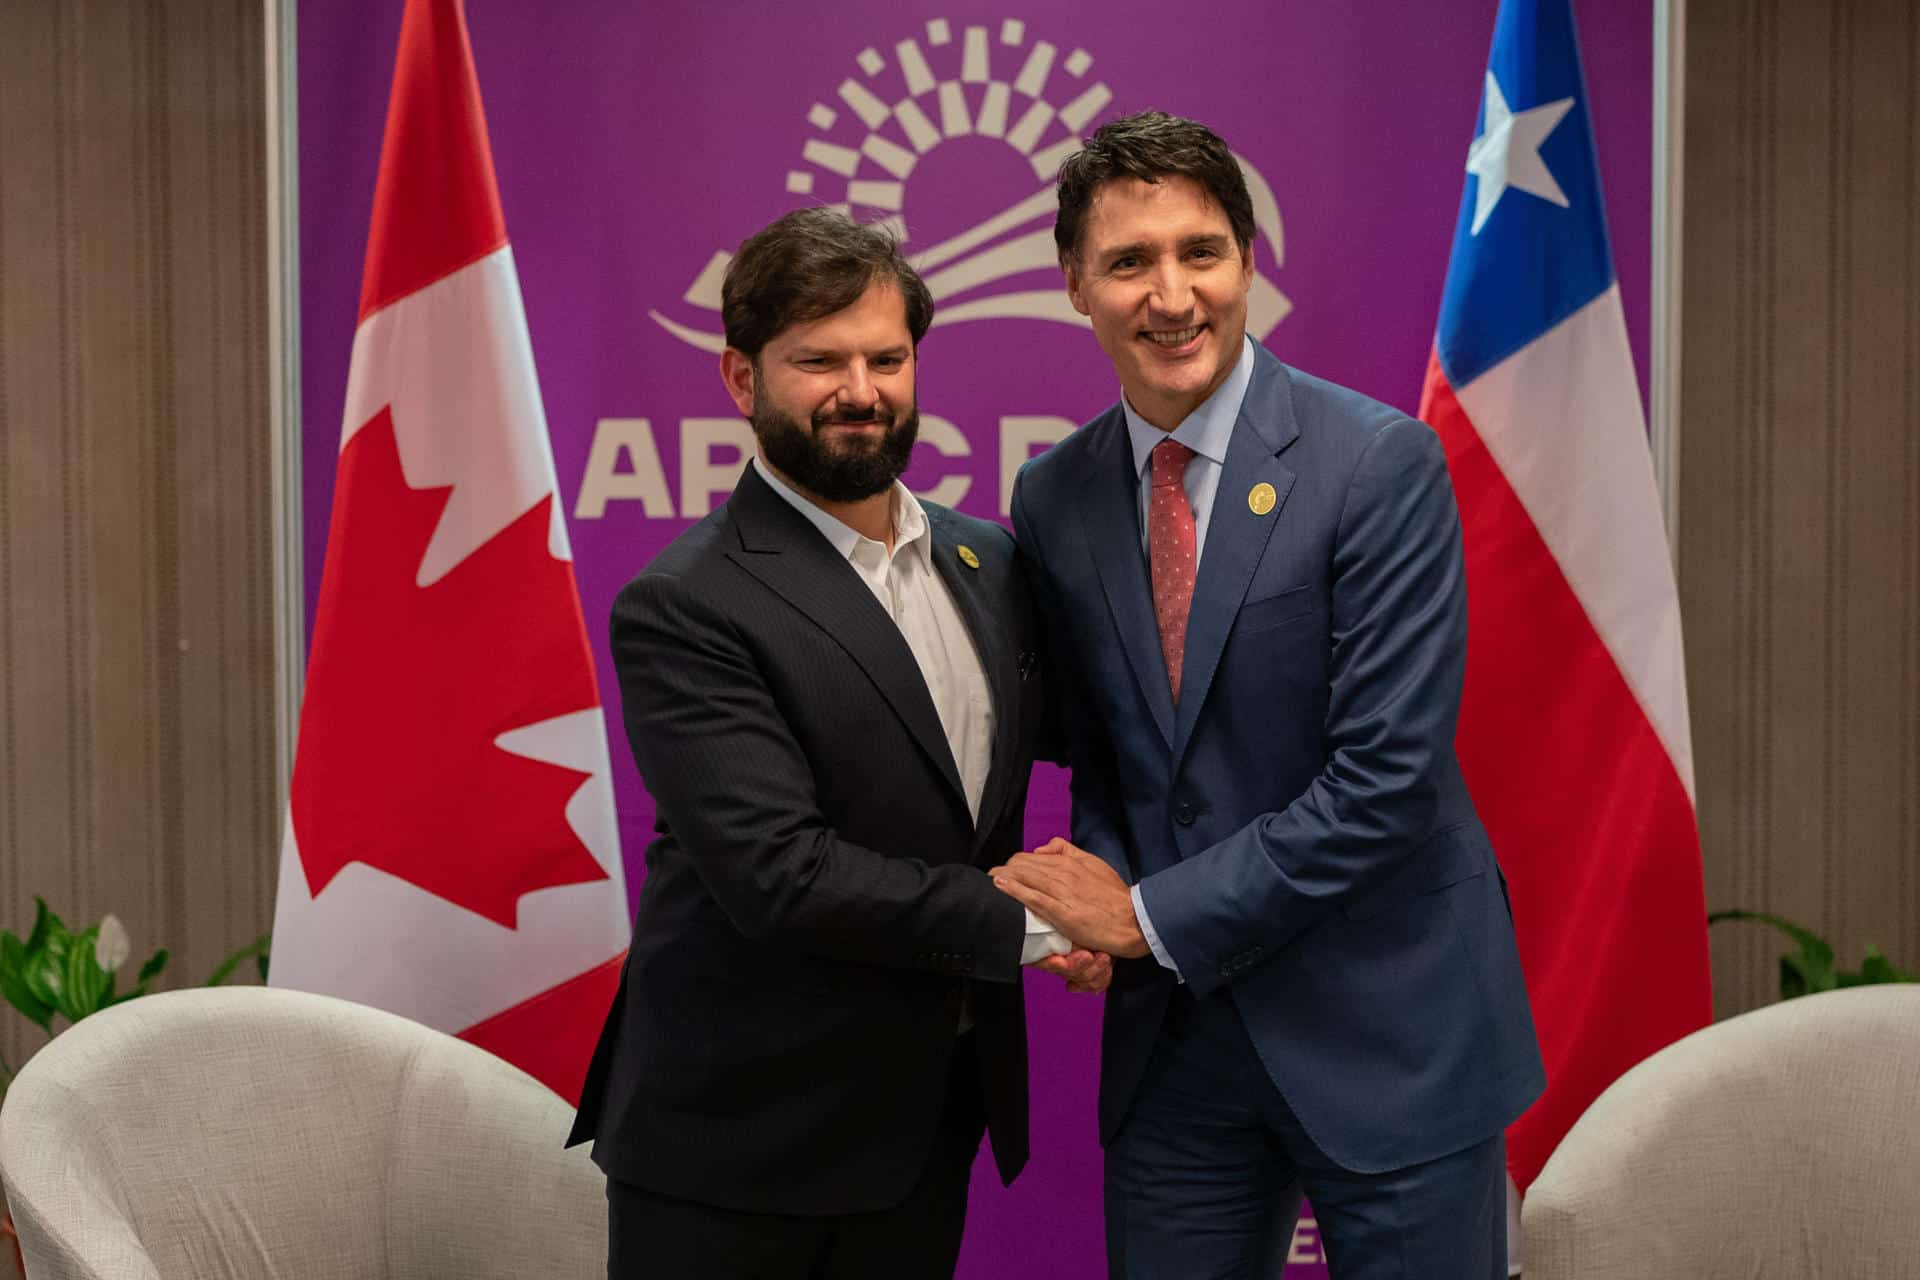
[57,973]
[1811,967]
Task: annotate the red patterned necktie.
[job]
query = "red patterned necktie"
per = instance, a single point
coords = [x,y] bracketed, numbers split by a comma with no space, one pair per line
[1171,548]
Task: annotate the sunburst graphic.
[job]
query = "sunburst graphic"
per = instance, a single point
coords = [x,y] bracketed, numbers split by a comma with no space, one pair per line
[868,180]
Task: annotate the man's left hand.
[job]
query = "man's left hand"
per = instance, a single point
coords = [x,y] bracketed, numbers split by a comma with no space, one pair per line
[1085,972]
[1079,894]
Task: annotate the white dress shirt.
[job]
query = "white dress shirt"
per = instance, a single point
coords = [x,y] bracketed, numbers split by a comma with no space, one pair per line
[1206,431]
[908,587]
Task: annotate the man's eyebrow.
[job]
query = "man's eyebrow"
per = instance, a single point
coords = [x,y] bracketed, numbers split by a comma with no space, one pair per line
[1122,250]
[1204,238]
[828,352]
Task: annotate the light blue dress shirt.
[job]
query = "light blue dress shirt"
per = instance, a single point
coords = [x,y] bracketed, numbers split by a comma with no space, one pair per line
[1205,431]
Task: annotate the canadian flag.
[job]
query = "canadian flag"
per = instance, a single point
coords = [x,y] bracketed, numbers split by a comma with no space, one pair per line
[450,851]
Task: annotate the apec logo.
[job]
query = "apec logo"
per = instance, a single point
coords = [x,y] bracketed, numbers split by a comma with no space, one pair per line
[861,158]
[952,144]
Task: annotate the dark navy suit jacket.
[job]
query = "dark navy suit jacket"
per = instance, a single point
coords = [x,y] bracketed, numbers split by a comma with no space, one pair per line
[1298,824]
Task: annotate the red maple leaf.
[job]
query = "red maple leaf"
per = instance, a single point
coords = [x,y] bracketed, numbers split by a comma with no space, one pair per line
[408,687]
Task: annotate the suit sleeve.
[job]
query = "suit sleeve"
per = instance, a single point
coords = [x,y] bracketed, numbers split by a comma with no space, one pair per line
[1067,738]
[734,786]
[1399,629]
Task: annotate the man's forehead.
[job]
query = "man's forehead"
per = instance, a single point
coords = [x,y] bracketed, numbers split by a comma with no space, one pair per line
[1134,209]
[881,306]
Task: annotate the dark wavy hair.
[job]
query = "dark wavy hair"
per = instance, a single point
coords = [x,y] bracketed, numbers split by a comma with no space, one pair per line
[809,264]
[1151,146]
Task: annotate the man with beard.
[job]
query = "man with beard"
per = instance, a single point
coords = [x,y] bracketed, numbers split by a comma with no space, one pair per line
[831,691]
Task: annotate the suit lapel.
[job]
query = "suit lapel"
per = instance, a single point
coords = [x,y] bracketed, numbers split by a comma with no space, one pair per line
[1110,515]
[782,550]
[1236,536]
[968,589]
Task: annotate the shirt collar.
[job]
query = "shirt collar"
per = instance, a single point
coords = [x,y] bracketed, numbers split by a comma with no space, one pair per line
[1207,429]
[910,526]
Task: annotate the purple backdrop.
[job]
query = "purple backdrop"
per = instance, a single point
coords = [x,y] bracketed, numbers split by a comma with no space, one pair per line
[636,142]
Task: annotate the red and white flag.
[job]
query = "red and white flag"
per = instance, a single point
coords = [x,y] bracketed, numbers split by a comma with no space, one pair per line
[450,852]
[1573,725]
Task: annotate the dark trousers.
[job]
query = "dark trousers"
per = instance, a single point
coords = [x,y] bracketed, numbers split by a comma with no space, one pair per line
[1205,1176]
[656,1237]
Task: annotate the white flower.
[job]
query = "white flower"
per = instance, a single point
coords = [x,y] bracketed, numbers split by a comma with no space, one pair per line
[110,948]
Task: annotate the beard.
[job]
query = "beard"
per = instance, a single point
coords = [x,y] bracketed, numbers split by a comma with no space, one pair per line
[836,466]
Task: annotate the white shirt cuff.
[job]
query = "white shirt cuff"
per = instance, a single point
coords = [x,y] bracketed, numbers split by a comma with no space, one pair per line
[1043,940]
[1153,939]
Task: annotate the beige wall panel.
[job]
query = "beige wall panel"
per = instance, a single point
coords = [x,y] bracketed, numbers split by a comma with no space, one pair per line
[217,139]
[1909,748]
[1797,440]
[41,797]
[119,488]
[1800,473]
[135,653]
[1875,520]
[1723,495]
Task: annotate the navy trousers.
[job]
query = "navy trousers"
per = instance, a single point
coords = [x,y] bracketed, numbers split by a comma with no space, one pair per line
[1205,1177]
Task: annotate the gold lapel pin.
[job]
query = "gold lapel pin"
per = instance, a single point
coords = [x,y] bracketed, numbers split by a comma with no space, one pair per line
[967,557]
[1260,498]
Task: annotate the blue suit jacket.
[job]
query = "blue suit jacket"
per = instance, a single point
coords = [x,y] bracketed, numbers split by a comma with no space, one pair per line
[1298,825]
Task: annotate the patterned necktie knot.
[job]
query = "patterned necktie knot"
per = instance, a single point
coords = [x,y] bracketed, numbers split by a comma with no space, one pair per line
[1169,460]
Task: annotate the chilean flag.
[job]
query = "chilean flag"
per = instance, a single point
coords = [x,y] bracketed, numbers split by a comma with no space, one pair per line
[1573,728]
[450,851]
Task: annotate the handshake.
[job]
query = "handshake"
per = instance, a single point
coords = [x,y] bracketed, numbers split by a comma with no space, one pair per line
[1085,900]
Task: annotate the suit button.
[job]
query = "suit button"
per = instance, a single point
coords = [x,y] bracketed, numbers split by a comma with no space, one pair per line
[1184,815]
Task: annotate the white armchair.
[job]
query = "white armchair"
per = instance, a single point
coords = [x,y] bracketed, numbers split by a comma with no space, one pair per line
[1783,1142]
[273,1135]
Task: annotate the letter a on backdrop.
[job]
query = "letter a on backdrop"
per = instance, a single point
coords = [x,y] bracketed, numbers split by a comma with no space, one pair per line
[450,851]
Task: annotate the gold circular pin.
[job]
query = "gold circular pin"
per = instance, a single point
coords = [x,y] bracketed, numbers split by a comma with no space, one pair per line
[1260,498]
[967,557]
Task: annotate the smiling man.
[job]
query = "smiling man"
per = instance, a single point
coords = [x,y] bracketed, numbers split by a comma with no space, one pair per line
[1250,584]
[830,690]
